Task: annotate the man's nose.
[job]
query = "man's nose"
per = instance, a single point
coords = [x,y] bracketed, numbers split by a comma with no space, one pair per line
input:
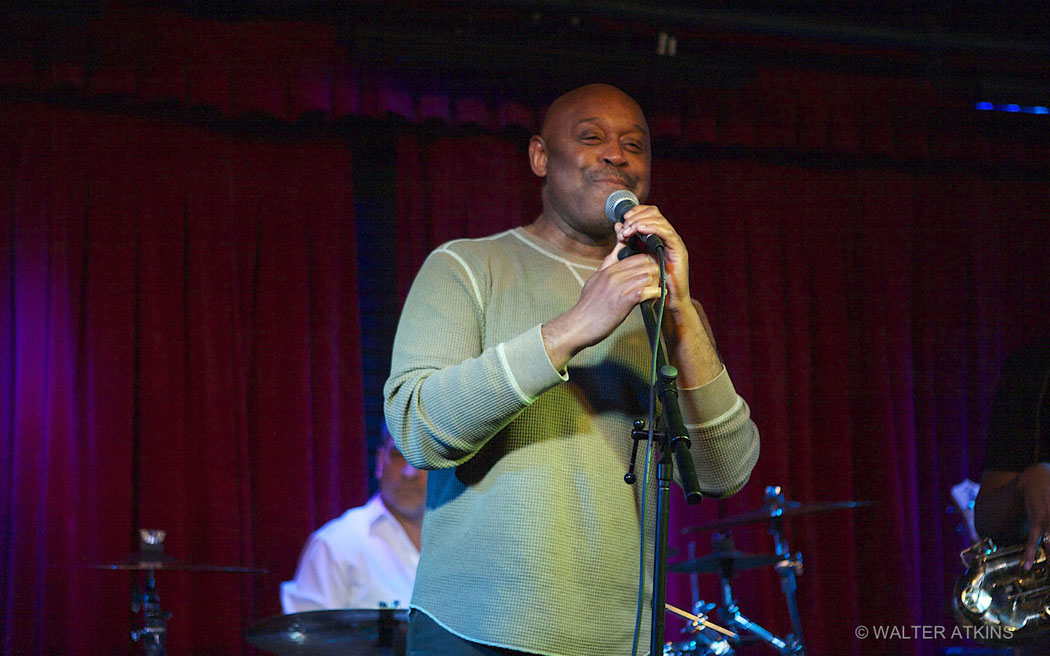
[613,154]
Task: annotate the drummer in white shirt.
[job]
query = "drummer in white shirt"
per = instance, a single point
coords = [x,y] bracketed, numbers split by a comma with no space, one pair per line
[366,557]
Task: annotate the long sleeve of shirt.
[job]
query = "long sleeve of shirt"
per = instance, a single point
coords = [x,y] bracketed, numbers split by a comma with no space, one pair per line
[451,390]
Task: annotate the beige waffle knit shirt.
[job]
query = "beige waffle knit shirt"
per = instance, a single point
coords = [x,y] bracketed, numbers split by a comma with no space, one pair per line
[531,536]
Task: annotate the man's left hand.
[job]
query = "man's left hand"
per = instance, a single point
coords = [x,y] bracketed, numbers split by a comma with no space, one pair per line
[648,220]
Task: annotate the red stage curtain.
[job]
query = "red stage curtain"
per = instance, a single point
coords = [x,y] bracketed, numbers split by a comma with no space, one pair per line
[180,350]
[863,311]
[178,313]
[453,188]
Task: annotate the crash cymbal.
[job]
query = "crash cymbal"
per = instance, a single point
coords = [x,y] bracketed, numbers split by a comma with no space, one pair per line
[788,509]
[347,632]
[737,560]
[146,560]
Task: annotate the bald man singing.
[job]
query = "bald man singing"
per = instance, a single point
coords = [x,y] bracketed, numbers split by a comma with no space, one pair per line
[519,364]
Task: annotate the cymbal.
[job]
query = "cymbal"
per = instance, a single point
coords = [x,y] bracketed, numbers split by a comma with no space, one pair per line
[789,509]
[145,560]
[738,560]
[345,631]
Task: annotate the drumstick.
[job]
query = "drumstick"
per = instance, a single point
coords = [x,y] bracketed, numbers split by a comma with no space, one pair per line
[695,618]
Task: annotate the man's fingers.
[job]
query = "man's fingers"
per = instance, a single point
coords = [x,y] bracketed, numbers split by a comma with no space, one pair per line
[650,293]
[612,258]
[1029,550]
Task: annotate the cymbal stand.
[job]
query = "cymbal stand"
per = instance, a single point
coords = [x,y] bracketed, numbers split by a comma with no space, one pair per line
[154,630]
[728,611]
[788,566]
[155,626]
[694,577]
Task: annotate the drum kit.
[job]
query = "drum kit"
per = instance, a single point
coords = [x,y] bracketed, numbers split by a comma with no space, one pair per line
[356,631]
[708,638]
[149,558]
[382,631]
[343,632]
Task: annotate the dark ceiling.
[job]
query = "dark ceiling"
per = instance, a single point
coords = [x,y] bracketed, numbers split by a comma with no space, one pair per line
[997,45]
[976,25]
[983,25]
[1002,41]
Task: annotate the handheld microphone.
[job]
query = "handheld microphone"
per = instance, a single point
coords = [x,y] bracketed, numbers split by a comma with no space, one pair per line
[619,203]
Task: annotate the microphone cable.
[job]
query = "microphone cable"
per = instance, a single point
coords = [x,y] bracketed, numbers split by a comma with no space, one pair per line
[643,536]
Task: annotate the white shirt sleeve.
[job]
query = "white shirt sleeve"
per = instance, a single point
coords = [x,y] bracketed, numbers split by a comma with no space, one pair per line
[321,581]
[362,559]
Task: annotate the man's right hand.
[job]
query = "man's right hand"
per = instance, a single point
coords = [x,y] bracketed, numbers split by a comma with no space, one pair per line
[1034,485]
[606,299]
[1007,499]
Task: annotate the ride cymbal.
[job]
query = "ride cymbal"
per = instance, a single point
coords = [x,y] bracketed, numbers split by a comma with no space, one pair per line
[789,509]
[145,560]
[346,632]
[736,560]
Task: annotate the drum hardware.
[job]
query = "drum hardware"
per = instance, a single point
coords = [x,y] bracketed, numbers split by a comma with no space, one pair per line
[726,561]
[773,510]
[709,639]
[700,618]
[356,631]
[149,558]
[787,568]
[719,560]
[694,578]
[729,612]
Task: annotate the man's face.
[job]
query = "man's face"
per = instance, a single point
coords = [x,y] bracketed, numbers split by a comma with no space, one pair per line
[402,487]
[595,141]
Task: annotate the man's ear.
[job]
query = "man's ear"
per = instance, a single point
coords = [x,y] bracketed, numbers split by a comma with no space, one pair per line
[538,156]
[382,460]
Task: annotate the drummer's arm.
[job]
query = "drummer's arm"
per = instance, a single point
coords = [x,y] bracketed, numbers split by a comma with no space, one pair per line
[320,583]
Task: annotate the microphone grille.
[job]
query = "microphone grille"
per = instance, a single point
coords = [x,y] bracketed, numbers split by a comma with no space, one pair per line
[617,197]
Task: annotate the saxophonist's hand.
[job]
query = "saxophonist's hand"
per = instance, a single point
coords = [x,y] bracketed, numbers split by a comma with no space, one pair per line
[1034,485]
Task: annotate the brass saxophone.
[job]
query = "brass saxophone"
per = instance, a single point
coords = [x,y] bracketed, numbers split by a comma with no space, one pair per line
[1005,604]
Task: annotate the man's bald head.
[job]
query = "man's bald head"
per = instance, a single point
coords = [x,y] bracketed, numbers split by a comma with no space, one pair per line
[565,104]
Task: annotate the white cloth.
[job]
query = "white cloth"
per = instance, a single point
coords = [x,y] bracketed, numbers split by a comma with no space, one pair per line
[361,559]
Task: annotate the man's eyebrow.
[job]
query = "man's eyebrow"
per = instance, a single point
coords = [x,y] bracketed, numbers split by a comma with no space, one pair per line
[595,119]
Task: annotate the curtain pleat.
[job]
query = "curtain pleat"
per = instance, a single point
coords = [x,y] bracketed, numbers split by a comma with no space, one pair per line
[184,351]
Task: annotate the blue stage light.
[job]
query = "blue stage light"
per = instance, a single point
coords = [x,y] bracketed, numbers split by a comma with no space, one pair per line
[986,106]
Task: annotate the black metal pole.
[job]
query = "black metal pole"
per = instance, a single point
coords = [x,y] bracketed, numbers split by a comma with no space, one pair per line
[672,444]
[664,475]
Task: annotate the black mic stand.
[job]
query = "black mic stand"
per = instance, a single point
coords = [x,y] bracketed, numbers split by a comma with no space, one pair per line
[671,441]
